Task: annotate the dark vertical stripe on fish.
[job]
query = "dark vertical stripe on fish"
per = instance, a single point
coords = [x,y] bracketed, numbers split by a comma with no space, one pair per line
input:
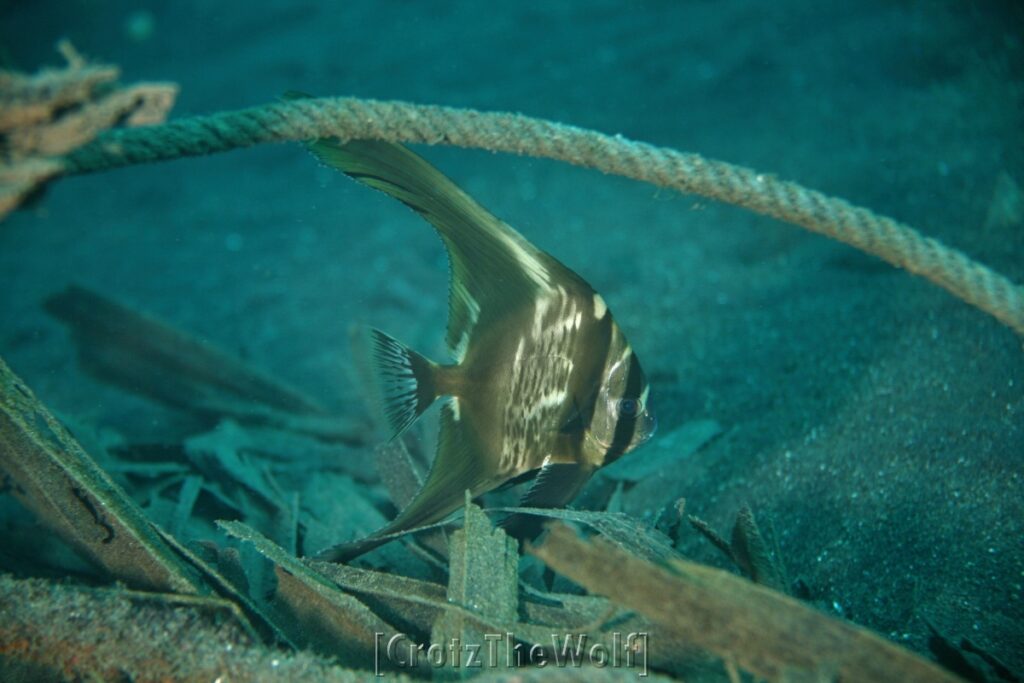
[589,406]
[625,425]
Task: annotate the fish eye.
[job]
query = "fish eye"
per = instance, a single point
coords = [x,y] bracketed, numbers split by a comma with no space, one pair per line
[629,407]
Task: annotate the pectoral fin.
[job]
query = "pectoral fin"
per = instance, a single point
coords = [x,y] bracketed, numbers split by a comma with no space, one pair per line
[573,423]
[555,485]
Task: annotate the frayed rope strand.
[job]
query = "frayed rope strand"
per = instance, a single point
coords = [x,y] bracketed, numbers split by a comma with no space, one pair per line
[349,119]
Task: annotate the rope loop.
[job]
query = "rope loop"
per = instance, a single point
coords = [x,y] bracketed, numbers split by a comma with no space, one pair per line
[350,118]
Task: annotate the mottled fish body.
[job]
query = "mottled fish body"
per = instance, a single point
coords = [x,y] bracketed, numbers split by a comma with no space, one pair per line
[543,379]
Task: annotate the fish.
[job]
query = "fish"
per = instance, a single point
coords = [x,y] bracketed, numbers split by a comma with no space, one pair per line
[542,383]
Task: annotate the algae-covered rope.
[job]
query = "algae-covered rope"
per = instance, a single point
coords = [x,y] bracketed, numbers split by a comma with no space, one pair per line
[349,118]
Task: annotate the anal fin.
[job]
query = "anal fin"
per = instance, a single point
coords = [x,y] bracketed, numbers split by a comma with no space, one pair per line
[460,465]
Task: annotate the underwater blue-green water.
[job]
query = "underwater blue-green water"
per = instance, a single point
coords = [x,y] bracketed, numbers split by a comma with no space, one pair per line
[874,419]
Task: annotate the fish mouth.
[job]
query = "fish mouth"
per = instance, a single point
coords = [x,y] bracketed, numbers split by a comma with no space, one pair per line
[646,428]
[650,426]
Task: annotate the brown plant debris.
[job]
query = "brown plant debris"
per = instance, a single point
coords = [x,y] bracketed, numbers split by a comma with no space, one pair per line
[47,470]
[313,610]
[48,114]
[417,605]
[317,605]
[621,530]
[748,626]
[481,602]
[483,577]
[398,472]
[402,478]
[968,659]
[147,356]
[747,549]
[152,638]
[55,632]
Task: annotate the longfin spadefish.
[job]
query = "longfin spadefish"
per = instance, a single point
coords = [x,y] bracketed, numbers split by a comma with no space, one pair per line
[494,269]
[460,465]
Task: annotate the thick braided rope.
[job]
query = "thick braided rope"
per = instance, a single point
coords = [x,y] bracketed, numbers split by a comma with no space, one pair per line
[348,118]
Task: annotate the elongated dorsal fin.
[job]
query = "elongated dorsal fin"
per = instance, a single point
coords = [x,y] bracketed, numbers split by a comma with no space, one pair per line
[494,269]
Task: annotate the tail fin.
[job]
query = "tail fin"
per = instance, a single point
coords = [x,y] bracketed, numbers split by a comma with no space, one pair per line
[406,379]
